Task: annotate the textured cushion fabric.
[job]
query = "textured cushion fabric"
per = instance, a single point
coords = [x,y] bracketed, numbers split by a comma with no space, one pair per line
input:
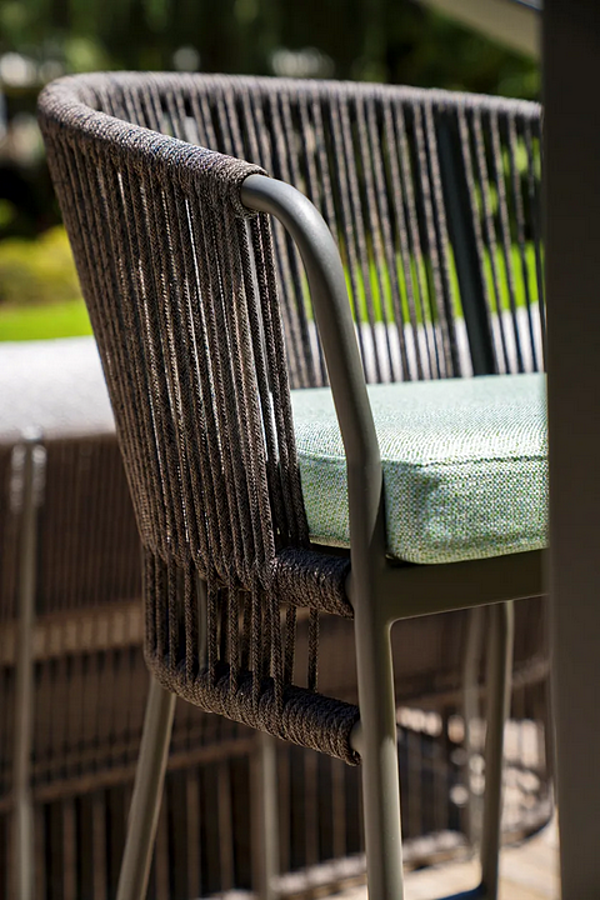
[464,466]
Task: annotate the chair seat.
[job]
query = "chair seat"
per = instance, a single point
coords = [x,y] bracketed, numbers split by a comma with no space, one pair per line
[464,465]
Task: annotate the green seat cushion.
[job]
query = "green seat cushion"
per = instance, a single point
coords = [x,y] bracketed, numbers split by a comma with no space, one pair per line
[464,466]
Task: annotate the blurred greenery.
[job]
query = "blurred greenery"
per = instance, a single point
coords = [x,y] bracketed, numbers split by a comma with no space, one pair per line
[384,40]
[39,291]
[33,323]
[37,271]
[395,41]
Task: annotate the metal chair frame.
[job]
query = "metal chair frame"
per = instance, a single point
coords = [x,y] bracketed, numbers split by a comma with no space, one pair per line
[32,468]
[380,591]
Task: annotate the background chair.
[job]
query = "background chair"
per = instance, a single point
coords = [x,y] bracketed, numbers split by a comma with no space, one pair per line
[90,687]
[73,684]
[163,236]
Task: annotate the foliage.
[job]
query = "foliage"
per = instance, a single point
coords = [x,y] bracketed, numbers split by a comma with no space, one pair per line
[37,271]
[33,323]
[386,40]
[39,291]
[395,41]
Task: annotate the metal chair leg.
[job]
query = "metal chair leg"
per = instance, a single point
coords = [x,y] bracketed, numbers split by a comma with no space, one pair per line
[32,462]
[265,842]
[499,683]
[499,678]
[147,793]
[476,619]
[375,738]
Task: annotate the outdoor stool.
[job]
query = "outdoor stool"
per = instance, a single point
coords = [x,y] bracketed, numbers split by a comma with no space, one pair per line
[205,329]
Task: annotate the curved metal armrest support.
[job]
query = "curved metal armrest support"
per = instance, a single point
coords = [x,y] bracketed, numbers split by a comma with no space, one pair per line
[325,273]
[377,736]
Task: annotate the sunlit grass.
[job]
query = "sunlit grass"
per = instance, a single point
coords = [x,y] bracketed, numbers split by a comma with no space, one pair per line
[39,291]
[519,281]
[417,275]
[31,323]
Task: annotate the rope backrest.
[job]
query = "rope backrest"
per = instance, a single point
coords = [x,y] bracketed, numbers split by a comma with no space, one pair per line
[189,335]
[434,199]
[180,284]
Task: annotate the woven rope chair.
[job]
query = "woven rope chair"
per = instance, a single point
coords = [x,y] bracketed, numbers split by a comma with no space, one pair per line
[205,326]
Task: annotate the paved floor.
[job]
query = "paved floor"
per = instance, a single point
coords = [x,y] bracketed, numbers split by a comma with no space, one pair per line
[528,872]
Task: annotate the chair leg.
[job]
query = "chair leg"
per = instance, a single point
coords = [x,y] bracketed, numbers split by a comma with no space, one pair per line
[147,793]
[476,620]
[33,461]
[265,842]
[499,677]
[376,741]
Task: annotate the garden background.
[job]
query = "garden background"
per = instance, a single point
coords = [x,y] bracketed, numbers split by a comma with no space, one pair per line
[396,41]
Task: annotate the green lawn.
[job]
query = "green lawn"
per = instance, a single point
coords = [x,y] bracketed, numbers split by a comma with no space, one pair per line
[39,291]
[30,323]
[421,278]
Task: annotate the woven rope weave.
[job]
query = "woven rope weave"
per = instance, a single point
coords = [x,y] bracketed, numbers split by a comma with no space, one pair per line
[200,345]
